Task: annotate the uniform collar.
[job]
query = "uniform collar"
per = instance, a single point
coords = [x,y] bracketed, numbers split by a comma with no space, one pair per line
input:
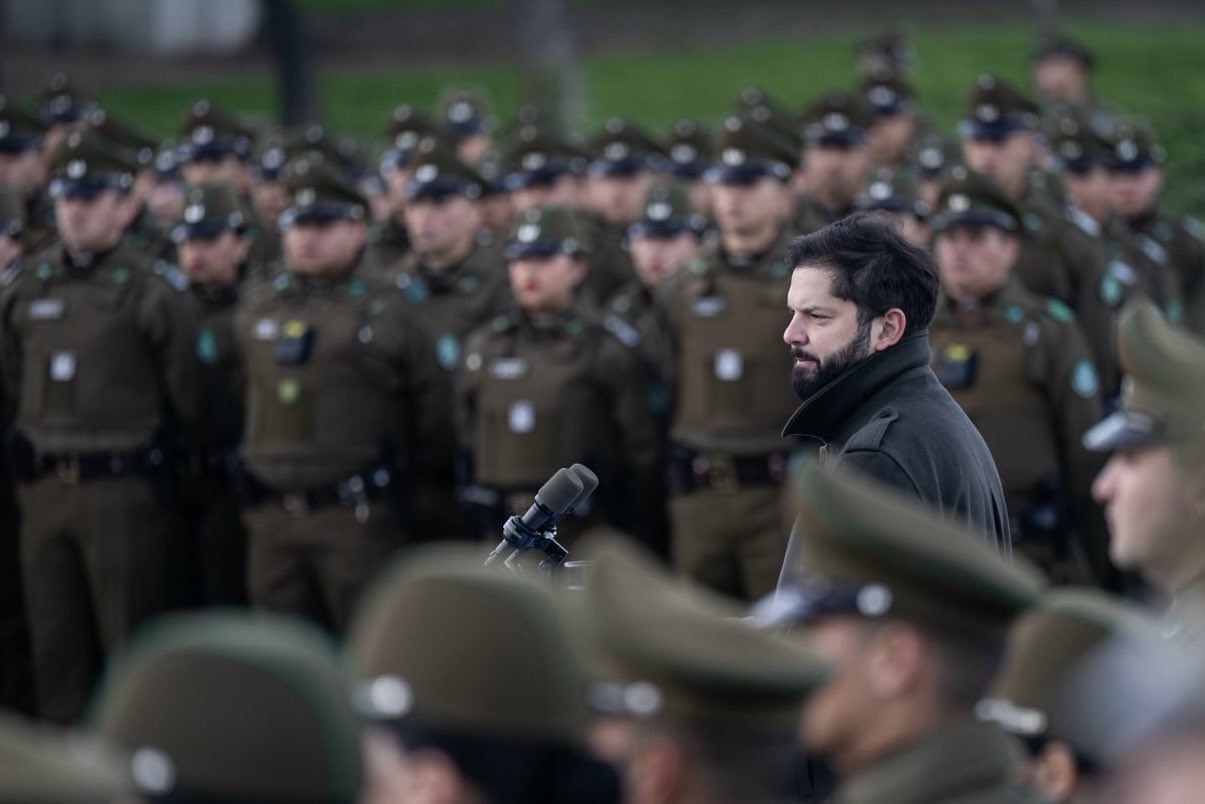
[835,407]
[755,263]
[951,764]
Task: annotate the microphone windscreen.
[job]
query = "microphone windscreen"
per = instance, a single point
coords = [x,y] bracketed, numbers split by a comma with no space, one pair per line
[589,482]
[560,492]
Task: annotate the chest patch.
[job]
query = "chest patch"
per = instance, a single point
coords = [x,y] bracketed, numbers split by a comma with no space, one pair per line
[521,416]
[47,309]
[62,366]
[729,365]
[207,347]
[265,329]
[508,368]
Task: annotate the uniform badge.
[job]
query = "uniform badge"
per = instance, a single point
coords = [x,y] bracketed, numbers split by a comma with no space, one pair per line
[1154,250]
[288,391]
[956,366]
[1014,314]
[364,335]
[207,347]
[1083,380]
[417,291]
[62,366]
[468,284]
[447,351]
[708,306]
[729,365]
[1123,272]
[622,330]
[1110,290]
[265,329]
[46,309]
[508,368]
[521,417]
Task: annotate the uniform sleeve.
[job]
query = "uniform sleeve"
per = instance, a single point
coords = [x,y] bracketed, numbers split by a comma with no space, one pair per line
[465,383]
[627,383]
[428,388]
[10,355]
[169,320]
[1075,401]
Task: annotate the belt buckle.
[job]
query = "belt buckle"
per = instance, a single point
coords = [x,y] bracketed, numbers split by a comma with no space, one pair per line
[68,470]
[295,504]
[721,473]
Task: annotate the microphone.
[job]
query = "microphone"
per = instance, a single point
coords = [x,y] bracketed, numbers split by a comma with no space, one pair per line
[589,482]
[552,500]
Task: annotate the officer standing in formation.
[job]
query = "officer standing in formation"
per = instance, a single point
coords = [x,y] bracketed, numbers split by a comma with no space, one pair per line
[98,359]
[727,459]
[1021,369]
[212,247]
[547,385]
[344,403]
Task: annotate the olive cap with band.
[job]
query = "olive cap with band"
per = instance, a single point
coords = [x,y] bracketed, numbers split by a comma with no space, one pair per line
[60,103]
[443,643]
[1134,148]
[689,147]
[440,174]
[868,551]
[1046,647]
[995,109]
[233,707]
[1163,390]
[209,211]
[968,198]
[621,148]
[543,232]
[666,213]
[208,132]
[20,130]
[537,158]
[320,195]
[893,190]
[86,164]
[677,651]
[746,151]
[837,119]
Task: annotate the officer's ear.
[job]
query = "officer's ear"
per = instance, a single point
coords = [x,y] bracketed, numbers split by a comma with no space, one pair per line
[127,208]
[896,665]
[1011,248]
[578,269]
[657,770]
[1053,772]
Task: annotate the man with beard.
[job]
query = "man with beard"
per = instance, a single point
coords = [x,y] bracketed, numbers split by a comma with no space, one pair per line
[861,300]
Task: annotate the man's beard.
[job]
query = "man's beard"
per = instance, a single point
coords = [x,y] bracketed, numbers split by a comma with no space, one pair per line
[828,370]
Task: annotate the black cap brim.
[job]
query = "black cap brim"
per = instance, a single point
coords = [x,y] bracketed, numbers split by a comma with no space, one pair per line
[441,189]
[747,173]
[850,138]
[89,186]
[996,131]
[1124,429]
[804,600]
[18,144]
[540,249]
[320,214]
[661,230]
[216,149]
[944,221]
[618,168]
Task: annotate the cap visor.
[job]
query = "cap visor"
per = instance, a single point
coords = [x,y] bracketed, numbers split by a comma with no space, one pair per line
[1122,430]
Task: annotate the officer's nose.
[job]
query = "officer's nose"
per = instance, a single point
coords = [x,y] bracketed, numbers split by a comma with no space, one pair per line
[1102,486]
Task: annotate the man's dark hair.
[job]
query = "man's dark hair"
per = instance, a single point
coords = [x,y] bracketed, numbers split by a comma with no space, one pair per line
[873,266]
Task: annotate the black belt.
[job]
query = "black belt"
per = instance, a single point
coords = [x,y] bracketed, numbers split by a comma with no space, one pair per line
[355,491]
[691,470]
[74,468]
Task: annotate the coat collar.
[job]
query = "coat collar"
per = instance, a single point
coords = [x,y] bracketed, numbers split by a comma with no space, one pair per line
[829,412]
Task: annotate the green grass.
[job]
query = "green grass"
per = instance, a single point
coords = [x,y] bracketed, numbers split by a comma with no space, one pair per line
[1155,72]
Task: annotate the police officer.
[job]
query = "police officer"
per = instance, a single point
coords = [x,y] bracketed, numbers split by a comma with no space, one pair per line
[727,459]
[232,707]
[214,147]
[99,355]
[897,125]
[835,159]
[456,712]
[689,147]
[666,239]
[60,105]
[885,55]
[344,404]
[1129,272]
[548,385]
[1000,139]
[540,170]
[1136,178]
[1020,368]
[1060,69]
[712,717]
[388,240]
[1151,485]
[165,199]
[898,193]
[213,251]
[23,166]
[468,123]
[16,684]
[912,612]
[455,279]
[144,233]
[1048,648]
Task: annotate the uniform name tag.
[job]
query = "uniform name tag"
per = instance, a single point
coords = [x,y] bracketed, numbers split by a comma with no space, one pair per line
[1153,250]
[1123,272]
[709,306]
[46,309]
[265,329]
[62,366]
[508,368]
[729,365]
[521,417]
